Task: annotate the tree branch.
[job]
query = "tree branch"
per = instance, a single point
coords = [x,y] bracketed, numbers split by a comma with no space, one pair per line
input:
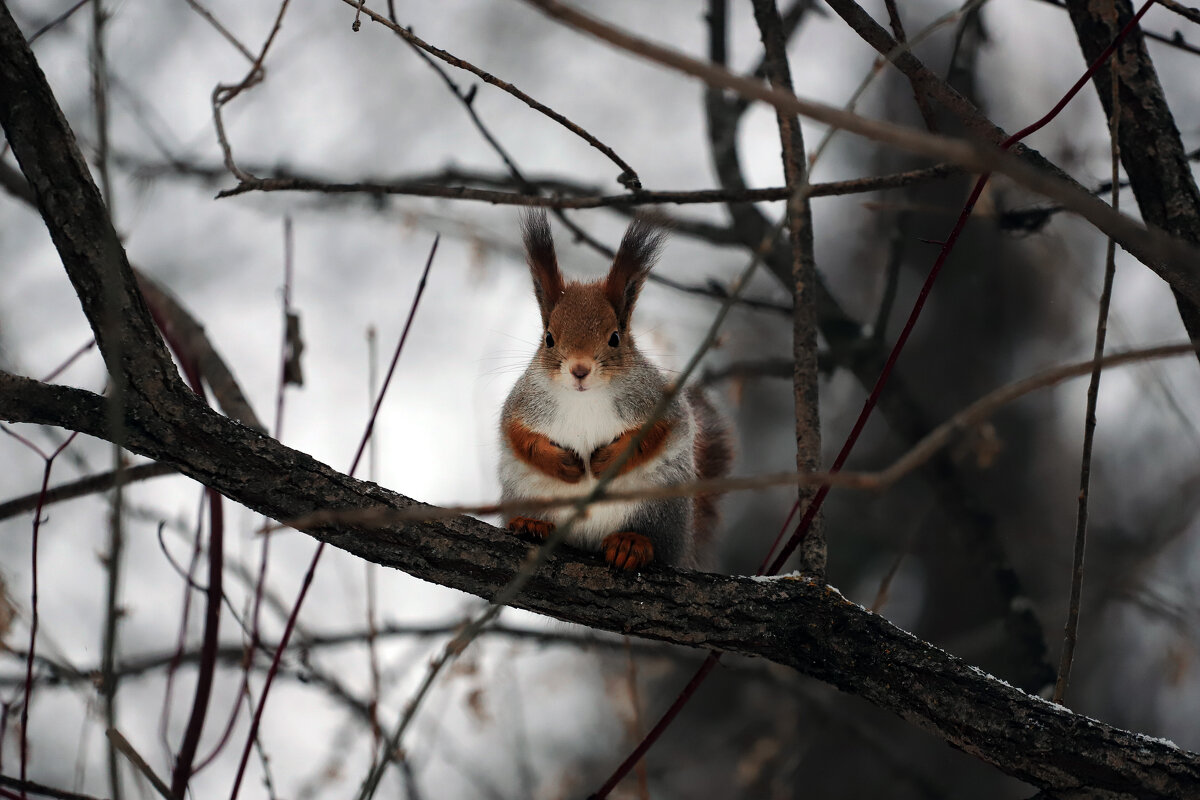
[813,555]
[798,623]
[1152,151]
[794,622]
[1171,259]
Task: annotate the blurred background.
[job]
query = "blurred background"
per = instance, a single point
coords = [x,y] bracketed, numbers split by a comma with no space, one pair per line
[972,553]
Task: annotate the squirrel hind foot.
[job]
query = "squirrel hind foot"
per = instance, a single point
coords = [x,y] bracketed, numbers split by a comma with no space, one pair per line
[627,550]
[528,526]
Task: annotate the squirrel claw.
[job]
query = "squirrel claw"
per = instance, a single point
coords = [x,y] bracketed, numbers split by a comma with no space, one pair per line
[527,526]
[627,550]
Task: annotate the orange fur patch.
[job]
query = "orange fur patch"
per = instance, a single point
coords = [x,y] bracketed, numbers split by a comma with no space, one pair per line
[542,454]
[649,448]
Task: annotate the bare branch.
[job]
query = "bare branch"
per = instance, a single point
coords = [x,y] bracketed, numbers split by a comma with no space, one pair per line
[640,198]
[628,177]
[1170,258]
[813,556]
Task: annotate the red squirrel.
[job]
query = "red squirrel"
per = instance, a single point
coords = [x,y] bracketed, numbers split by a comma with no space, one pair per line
[586,393]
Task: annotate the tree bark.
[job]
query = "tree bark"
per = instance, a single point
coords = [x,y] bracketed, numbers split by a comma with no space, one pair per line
[1152,151]
[796,622]
[813,555]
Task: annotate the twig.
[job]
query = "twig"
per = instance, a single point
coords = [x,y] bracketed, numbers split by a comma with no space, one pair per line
[223,93]
[233,653]
[33,594]
[178,324]
[84,486]
[947,247]
[641,198]
[42,789]
[1190,13]
[221,29]
[122,744]
[1071,629]
[755,368]
[371,570]
[308,576]
[71,359]
[917,456]
[628,177]
[541,554]
[922,101]
[182,773]
[100,102]
[805,368]
[1168,256]
[54,23]
[1176,40]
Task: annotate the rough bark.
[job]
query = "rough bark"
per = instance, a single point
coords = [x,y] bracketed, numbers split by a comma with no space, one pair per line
[795,622]
[1182,275]
[813,556]
[1152,151]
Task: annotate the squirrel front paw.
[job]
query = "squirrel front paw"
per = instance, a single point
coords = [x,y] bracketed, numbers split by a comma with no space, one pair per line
[627,550]
[570,466]
[603,457]
[528,526]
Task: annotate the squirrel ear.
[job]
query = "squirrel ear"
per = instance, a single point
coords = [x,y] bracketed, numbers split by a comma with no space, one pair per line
[639,250]
[543,264]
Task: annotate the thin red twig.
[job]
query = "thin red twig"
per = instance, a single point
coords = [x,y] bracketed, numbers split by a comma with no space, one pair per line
[872,399]
[208,657]
[312,567]
[182,772]
[71,359]
[810,512]
[714,656]
[285,358]
[33,593]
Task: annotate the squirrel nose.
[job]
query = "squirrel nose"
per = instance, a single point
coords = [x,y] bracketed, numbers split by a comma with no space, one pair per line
[580,371]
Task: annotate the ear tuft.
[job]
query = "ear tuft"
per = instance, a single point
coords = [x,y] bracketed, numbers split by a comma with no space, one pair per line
[640,248]
[543,264]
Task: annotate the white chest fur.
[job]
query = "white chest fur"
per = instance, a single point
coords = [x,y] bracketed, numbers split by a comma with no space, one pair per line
[583,421]
[580,421]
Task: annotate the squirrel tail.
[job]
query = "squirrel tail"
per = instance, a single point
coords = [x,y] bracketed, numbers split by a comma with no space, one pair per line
[713,453]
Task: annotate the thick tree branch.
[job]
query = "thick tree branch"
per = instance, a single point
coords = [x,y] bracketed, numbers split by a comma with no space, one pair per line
[1170,258]
[866,360]
[805,625]
[1095,32]
[794,622]
[79,225]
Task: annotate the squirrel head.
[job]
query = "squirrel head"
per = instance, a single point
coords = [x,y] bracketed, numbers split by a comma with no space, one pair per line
[586,340]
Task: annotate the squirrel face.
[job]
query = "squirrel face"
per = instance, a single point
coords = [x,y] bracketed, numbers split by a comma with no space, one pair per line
[582,346]
[586,340]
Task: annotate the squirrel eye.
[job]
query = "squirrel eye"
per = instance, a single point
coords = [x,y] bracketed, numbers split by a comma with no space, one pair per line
[614,340]
[549,339]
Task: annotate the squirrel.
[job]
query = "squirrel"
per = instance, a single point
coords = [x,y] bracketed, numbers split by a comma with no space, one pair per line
[587,391]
